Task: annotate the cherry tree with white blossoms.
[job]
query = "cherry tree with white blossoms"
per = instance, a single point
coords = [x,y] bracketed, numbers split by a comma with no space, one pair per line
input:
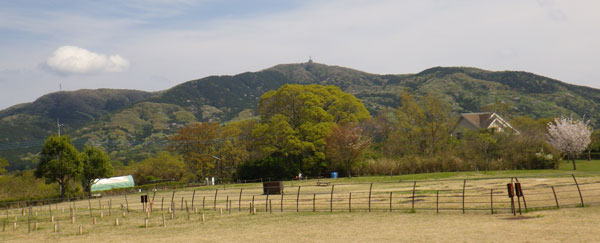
[569,136]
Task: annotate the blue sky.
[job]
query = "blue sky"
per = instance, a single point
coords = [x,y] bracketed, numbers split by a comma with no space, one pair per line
[155,44]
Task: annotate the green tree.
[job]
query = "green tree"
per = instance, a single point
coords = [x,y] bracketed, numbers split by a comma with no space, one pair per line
[162,166]
[296,119]
[196,143]
[3,165]
[420,126]
[59,162]
[96,164]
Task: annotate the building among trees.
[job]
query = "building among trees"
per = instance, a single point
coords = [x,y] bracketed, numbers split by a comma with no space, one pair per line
[481,120]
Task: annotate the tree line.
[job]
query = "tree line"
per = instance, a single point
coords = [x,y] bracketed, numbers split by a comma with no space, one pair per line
[313,130]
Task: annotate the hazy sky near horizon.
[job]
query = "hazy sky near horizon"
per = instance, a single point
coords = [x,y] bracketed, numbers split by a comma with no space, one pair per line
[155,44]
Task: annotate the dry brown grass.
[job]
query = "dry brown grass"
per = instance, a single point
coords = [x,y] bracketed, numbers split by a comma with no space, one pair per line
[575,224]
[572,225]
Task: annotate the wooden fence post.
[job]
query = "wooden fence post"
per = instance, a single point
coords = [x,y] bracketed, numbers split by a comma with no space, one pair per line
[162,203]
[463,195]
[126,203]
[492,200]
[437,201]
[90,206]
[215,200]
[187,210]
[350,202]
[579,190]
[413,195]
[173,201]
[193,197]
[298,200]
[390,201]
[203,202]
[522,195]
[314,199]
[555,198]
[267,201]
[331,199]
[240,201]
[281,202]
[253,208]
[370,190]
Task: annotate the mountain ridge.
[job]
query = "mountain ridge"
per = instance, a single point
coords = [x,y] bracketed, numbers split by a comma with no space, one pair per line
[104,116]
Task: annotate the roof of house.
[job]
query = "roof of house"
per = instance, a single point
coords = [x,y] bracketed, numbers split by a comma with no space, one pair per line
[483,120]
[479,120]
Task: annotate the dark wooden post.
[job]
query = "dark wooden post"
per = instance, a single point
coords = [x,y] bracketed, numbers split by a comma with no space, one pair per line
[437,201]
[267,202]
[555,198]
[281,203]
[350,202]
[227,203]
[181,207]
[331,200]
[298,200]
[193,197]
[240,201]
[413,194]
[90,206]
[215,199]
[579,190]
[463,195]
[314,199]
[126,203]
[492,200]
[173,201]
[203,202]
[162,203]
[390,201]
[370,189]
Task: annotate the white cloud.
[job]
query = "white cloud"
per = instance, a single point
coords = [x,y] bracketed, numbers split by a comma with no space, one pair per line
[72,59]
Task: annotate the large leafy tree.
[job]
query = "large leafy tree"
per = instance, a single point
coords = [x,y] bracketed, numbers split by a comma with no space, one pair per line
[59,162]
[196,143]
[213,149]
[421,126]
[96,164]
[162,166]
[296,119]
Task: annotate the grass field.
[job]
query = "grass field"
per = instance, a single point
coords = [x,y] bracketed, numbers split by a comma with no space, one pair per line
[227,216]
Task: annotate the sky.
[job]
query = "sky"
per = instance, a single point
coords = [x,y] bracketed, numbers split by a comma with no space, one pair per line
[155,44]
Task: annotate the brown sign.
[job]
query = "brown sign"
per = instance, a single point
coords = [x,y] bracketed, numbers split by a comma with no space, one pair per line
[518,189]
[511,190]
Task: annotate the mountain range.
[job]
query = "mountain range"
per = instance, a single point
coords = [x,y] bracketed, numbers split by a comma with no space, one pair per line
[130,124]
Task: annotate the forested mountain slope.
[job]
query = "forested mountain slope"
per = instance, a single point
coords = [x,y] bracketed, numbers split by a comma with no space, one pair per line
[132,123]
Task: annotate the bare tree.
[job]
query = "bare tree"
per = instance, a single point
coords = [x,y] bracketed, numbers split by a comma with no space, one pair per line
[569,136]
[345,145]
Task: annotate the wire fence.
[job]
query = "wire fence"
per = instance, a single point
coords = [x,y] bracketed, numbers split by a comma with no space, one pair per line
[481,195]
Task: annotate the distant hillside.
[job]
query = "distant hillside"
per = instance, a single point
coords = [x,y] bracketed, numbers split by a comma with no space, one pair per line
[132,123]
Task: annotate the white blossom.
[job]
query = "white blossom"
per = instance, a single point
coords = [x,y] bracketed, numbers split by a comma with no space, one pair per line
[568,135]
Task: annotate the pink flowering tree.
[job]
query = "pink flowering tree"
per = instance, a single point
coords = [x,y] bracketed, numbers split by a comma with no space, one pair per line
[569,136]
